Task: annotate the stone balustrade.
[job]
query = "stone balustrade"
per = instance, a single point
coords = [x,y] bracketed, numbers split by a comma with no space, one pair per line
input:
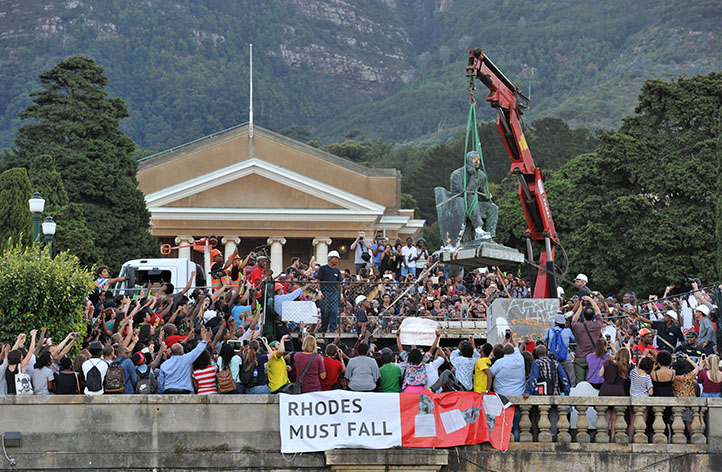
[617,420]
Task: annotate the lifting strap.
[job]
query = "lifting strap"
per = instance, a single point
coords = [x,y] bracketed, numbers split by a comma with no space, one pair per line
[472,132]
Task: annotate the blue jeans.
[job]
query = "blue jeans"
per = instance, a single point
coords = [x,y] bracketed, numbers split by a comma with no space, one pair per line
[359,267]
[239,388]
[711,395]
[408,270]
[258,389]
[515,425]
[329,311]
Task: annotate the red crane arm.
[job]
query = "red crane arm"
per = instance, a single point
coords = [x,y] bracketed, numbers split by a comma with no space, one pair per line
[510,103]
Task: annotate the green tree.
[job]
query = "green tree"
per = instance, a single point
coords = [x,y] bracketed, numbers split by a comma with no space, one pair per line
[639,213]
[74,119]
[39,291]
[73,235]
[46,179]
[15,221]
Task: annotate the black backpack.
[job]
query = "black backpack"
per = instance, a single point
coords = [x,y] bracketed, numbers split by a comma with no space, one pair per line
[94,379]
[147,383]
[247,378]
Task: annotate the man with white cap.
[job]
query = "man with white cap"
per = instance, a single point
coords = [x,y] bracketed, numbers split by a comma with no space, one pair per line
[581,282]
[363,323]
[562,336]
[707,334]
[330,280]
[669,334]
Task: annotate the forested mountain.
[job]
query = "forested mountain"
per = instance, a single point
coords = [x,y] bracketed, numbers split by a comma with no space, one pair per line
[391,69]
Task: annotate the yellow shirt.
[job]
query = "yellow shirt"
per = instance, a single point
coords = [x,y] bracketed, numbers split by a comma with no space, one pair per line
[277,372]
[480,378]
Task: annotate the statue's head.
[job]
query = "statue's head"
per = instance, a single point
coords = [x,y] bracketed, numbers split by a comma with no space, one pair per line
[473,160]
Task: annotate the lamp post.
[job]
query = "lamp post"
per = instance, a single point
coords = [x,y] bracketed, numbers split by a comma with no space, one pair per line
[37,205]
[49,232]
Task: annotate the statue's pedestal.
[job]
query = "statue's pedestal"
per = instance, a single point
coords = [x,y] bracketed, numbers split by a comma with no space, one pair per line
[476,254]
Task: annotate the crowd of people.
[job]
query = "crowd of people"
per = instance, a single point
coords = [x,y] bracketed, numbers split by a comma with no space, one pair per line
[182,341]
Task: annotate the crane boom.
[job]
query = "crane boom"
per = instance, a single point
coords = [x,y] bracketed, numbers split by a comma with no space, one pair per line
[510,103]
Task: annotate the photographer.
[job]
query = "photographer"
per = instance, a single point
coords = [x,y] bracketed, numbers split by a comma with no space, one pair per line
[362,251]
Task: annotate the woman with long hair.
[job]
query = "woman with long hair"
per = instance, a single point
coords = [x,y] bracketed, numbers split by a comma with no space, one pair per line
[710,377]
[254,368]
[204,374]
[16,363]
[596,360]
[615,373]
[229,358]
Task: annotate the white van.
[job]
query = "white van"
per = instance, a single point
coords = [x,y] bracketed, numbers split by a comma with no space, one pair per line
[139,272]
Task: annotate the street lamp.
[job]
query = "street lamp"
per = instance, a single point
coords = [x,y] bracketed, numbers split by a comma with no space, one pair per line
[49,232]
[37,205]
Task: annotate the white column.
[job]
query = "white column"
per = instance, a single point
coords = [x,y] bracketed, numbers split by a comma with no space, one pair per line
[321,244]
[184,252]
[276,243]
[231,243]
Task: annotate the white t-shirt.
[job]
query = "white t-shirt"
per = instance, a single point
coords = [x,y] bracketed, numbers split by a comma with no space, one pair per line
[409,253]
[432,371]
[40,380]
[102,367]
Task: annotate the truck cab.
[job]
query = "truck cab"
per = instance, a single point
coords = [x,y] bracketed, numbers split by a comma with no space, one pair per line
[139,272]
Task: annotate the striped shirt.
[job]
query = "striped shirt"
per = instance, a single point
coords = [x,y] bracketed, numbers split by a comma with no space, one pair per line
[639,385]
[206,379]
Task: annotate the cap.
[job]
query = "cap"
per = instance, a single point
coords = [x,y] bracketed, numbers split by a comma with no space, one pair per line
[333,254]
[690,334]
[138,358]
[95,346]
[215,252]
[272,343]
[360,299]
[277,287]
[261,258]
[644,332]
[387,349]
[672,314]
[704,309]
[583,278]
[559,318]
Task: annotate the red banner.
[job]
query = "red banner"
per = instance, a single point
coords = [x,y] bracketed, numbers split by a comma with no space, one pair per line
[453,419]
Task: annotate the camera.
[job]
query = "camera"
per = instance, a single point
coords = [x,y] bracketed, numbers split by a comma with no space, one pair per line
[507,334]
[609,338]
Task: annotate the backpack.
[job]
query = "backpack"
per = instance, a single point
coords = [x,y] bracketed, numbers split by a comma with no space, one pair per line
[147,382]
[225,381]
[114,379]
[557,345]
[248,380]
[94,379]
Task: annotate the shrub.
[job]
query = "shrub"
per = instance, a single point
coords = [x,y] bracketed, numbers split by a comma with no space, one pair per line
[37,290]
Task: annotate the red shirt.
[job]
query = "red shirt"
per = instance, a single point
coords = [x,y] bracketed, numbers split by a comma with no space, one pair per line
[256,275]
[333,371]
[171,340]
[206,379]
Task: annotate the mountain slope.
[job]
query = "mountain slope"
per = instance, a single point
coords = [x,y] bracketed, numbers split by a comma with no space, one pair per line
[385,68]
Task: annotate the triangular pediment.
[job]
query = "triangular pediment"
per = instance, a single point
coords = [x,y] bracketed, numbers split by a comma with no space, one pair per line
[253,191]
[255,183]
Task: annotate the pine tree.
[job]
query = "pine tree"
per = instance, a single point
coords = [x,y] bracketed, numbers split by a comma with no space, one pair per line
[75,120]
[46,179]
[15,220]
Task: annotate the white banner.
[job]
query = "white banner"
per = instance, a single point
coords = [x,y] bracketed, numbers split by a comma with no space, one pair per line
[418,331]
[322,421]
[300,311]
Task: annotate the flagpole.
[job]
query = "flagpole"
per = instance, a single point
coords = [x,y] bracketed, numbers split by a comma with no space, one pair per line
[250,101]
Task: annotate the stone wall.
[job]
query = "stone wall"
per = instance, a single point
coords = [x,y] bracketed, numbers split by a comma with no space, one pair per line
[229,432]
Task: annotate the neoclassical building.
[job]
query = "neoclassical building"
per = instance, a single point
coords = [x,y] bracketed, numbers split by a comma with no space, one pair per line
[252,189]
